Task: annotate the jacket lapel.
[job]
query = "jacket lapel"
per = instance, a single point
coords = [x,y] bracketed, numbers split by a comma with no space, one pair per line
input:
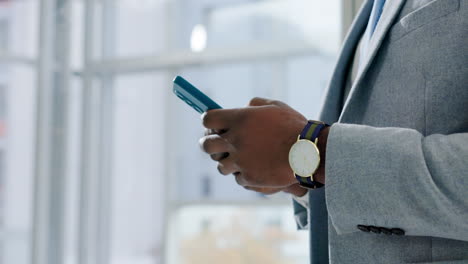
[392,9]
[333,102]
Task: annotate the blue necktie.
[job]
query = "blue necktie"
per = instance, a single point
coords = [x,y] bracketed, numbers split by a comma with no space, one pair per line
[374,18]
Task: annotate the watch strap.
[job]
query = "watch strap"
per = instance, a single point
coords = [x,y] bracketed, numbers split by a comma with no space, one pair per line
[310,132]
[308,182]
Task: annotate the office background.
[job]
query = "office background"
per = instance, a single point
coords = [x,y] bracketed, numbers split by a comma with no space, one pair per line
[99,161]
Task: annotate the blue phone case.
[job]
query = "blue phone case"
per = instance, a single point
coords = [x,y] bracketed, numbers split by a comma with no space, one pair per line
[192,96]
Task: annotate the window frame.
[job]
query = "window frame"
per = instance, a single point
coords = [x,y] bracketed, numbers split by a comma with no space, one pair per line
[96,153]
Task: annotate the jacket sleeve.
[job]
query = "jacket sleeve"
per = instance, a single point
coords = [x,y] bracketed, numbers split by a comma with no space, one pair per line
[397,178]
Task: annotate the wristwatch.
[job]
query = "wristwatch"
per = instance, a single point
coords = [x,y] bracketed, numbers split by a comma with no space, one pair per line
[304,156]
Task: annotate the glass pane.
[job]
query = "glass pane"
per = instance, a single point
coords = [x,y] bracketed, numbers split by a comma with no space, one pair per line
[4,34]
[202,234]
[139,178]
[77,34]
[17,126]
[18,36]
[140,27]
[307,78]
[18,27]
[313,22]
[156,27]
[74,130]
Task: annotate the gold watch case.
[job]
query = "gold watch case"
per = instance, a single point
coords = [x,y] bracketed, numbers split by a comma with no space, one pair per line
[304,157]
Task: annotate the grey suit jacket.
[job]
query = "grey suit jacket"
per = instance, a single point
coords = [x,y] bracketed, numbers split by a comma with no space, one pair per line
[397,154]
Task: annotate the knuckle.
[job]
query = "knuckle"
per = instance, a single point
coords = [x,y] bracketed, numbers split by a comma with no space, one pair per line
[231,139]
[208,132]
[204,143]
[221,169]
[242,180]
[215,157]
[247,178]
[276,102]
[250,179]
[219,156]
[239,180]
[255,101]
[206,119]
[211,143]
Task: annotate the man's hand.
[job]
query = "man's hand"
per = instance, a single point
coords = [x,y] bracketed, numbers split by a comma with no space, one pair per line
[253,144]
[294,189]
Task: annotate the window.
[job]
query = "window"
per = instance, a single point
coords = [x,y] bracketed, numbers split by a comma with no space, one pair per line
[3,34]
[2,157]
[16,163]
[3,106]
[118,174]
[17,121]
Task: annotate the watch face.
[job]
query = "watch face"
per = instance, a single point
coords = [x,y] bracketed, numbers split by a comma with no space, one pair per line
[304,158]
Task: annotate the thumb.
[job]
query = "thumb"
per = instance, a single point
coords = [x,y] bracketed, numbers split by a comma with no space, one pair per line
[258,101]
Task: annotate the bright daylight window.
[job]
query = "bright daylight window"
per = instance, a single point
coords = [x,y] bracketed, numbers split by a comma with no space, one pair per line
[127,183]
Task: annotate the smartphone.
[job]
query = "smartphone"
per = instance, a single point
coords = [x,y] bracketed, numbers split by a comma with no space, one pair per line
[192,96]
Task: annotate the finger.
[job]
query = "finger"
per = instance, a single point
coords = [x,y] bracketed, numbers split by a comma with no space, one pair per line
[240,180]
[258,101]
[213,144]
[266,191]
[219,156]
[227,166]
[214,132]
[219,119]
[209,132]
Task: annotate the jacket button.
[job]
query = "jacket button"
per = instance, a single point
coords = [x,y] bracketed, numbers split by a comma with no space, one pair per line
[398,231]
[363,228]
[374,229]
[386,231]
